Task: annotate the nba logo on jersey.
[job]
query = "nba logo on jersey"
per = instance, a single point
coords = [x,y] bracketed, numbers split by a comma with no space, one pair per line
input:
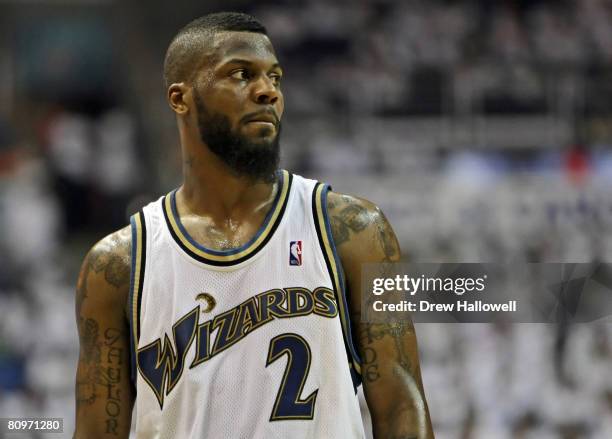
[295,253]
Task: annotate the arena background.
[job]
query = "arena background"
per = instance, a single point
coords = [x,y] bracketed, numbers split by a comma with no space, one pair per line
[482,128]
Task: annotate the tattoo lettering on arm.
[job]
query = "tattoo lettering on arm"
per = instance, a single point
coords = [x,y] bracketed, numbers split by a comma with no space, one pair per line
[101,362]
[112,377]
[388,352]
[372,332]
[369,357]
[101,302]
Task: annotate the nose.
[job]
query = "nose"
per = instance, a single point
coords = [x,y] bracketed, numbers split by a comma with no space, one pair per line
[265,92]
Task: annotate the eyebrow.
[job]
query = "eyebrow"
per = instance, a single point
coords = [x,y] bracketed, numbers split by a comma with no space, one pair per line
[249,63]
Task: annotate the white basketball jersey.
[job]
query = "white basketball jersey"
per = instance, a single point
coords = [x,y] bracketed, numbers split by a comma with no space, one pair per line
[252,342]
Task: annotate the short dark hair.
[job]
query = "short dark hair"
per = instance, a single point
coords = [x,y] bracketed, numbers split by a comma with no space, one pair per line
[183,49]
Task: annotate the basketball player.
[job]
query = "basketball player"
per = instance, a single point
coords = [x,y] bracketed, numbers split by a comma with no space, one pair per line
[229,308]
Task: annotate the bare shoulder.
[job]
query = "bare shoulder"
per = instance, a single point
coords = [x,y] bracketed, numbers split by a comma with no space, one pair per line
[106,270]
[359,227]
[112,256]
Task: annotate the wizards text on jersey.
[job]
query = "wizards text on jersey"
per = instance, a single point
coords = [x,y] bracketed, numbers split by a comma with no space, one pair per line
[162,366]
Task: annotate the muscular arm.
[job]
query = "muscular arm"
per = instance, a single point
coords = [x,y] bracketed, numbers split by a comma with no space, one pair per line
[104,394]
[390,369]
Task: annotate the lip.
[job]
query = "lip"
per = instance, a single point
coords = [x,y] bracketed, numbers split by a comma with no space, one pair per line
[264,122]
[267,118]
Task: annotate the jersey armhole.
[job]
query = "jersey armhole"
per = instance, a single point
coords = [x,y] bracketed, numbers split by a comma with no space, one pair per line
[138,256]
[336,273]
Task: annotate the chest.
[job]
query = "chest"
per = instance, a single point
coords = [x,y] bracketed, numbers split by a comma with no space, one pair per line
[223,235]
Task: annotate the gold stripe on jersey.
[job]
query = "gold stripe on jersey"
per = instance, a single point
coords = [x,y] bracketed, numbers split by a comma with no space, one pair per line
[213,256]
[138,258]
[338,281]
[137,279]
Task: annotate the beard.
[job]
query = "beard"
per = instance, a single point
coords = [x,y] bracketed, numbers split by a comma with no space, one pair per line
[246,157]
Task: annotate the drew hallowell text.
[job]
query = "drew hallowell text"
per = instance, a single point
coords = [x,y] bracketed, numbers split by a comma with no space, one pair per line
[460,306]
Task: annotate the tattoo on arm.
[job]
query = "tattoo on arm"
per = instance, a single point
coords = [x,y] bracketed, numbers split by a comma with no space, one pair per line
[413,416]
[386,238]
[116,267]
[346,219]
[371,332]
[101,362]
[114,360]
[102,355]
[389,360]
[113,258]
[90,362]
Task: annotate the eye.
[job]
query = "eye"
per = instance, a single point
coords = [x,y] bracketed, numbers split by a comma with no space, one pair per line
[241,74]
[276,78]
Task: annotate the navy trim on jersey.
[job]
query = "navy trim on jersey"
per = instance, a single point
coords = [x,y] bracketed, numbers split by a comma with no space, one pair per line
[340,272]
[336,273]
[236,255]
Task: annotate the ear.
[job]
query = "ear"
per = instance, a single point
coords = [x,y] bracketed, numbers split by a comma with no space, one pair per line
[178,97]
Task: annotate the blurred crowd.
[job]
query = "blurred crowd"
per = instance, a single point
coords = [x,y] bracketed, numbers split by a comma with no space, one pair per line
[481,128]
[519,381]
[439,56]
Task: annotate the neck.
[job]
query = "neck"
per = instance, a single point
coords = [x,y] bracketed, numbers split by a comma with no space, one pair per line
[211,189]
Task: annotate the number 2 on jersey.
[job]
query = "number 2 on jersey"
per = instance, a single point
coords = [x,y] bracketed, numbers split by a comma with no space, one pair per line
[288,404]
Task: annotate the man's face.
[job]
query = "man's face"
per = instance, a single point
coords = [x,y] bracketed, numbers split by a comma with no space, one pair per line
[239,103]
